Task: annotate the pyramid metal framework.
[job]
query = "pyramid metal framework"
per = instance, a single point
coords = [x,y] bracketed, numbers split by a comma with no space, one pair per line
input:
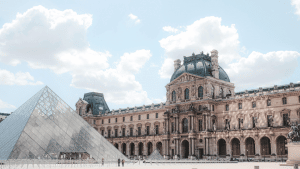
[155,155]
[45,126]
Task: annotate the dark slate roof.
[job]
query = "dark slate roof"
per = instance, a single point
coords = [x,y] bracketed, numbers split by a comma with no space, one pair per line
[4,114]
[96,102]
[286,86]
[199,65]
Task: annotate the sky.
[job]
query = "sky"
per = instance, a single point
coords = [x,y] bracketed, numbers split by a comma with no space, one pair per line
[126,49]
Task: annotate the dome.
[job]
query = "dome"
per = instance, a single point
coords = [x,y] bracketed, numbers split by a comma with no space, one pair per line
[199,65]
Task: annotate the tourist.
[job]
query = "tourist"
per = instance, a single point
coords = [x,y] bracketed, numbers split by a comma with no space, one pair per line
[123,161]
[119,162]
[102,161]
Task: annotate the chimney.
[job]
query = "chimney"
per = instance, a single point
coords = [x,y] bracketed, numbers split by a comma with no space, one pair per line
[215,65]
[177,64]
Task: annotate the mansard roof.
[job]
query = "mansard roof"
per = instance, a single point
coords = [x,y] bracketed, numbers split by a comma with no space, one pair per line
[200,65]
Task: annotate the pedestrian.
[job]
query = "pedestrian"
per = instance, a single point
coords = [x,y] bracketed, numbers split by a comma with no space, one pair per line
[119,162]
[102,161]
[123,161]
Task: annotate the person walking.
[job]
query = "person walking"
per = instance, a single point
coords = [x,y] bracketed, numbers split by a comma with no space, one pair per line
[102,161]
[123,161]
[119,162]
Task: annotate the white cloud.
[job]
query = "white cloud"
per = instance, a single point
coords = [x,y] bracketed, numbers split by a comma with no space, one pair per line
[56,40]
[261,70]
[203,35]
[119,85]
[170,29]
[255,70]
[49,38]
[20,78]
[4,105]
[296,3]
[134,18]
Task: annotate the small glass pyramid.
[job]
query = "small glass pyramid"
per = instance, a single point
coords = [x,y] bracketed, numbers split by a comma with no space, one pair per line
[45,127]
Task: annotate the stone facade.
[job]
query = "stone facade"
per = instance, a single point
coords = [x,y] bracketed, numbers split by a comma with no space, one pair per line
[204,118]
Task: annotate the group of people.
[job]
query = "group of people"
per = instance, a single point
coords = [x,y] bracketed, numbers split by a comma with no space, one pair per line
[119,161]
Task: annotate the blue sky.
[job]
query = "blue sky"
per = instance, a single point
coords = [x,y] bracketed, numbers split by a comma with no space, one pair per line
[126,49]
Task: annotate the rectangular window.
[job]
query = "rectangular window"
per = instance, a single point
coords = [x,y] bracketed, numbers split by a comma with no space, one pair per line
[116,132]
[227,124]
[116,120]
[123,134]
[102,132]
[284,100]
[139,131]
[147,116]
[148,130]
[139,117]
[240,106]
[285,120]
[131,131]
[123,119]
[253,104]
[253,121]
[239,123]
[156,115]
[156,129]
[94,121]
[108,120]
[200,125]
[172,127]
[102,121]
[227,107]
[108,133]
[299,99]
[130,118]
[268,102]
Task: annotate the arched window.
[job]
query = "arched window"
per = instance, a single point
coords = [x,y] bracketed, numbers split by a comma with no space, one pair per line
[186,94]
[200,92]
[80,111]
[284,100]
[212,92]
[185,125]
[174,96]
[221,93]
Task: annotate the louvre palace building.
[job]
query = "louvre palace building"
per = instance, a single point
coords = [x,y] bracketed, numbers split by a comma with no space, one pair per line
[202,118]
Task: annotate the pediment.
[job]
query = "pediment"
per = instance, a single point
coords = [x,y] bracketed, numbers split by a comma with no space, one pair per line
[186,77]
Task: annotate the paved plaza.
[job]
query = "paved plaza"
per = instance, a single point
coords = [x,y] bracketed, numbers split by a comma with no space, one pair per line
[240,165]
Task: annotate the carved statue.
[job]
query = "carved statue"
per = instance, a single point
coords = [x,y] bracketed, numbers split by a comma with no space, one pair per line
[294,133]
[193,92]
[191,107]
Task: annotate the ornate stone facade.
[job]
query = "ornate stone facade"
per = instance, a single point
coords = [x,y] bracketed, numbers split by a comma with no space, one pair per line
[203,117]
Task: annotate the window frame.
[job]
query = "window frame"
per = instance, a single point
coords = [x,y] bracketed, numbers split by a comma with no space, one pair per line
[240,106]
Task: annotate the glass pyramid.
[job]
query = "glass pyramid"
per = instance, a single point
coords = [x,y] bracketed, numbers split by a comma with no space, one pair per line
[45,127]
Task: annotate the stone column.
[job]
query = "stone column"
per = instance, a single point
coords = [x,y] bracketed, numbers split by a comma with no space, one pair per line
[167,125]
[242,147]
[127,149]
[190,147]
[136,149]
[193,146]
[257,147]
[192,123]
[167,147]
[145,148]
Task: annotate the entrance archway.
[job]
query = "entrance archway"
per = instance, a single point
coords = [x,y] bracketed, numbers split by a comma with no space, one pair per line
[185,149]
[150,148]
[124,148]
[222,147]
[250,147]
[235,145]
[265,146]
[141,147]
[131,149]
[159,147]
[280,144]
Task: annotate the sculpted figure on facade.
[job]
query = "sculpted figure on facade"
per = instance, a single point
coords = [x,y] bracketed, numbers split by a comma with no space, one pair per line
[193,91]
